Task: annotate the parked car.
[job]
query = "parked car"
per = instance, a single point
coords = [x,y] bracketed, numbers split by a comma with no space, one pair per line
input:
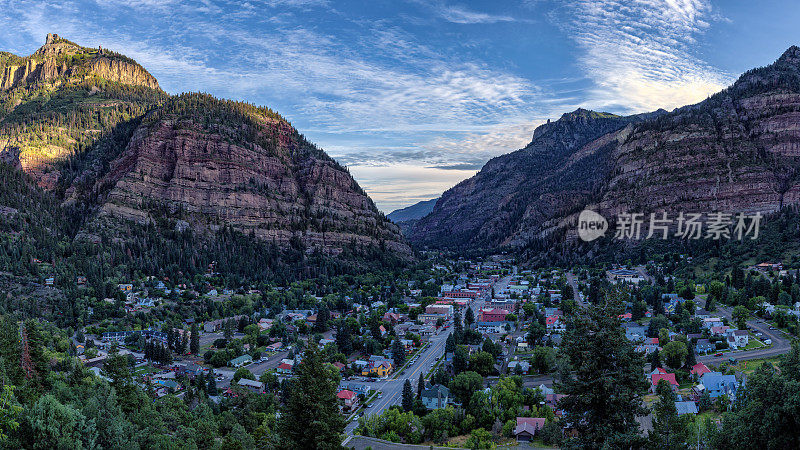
[718,354]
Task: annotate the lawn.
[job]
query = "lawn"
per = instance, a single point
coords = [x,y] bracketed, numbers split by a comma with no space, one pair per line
[753,343]
[749,367]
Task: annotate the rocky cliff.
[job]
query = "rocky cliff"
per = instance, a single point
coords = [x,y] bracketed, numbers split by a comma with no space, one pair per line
[739,150]
[59,58]
[262,178]
[538,183]
[106,141]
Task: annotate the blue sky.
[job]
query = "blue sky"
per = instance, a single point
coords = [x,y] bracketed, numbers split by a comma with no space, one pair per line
[414,96]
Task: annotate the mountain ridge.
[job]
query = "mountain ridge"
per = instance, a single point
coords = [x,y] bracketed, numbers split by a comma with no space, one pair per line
[738,150]
[99,134]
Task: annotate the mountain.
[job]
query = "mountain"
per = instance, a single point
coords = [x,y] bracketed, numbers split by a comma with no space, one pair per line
[407,217]
[738,150]
[92,129]
[414,212]
[539,182]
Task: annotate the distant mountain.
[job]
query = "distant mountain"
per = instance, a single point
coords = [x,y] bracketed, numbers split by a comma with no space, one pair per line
[95,132]
[414,212]
[739,150]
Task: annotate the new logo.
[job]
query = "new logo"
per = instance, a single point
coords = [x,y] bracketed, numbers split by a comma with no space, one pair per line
[591,225]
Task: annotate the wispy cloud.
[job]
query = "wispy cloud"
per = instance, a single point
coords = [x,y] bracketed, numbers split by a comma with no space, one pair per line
[642,54]
[461,14]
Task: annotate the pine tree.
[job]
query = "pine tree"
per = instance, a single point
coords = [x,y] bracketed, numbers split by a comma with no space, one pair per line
[408,396]
[420,385]
[212,385]
[344,340]
[469,316]
[602,378]
[398,353]
[310,419]
[669,431]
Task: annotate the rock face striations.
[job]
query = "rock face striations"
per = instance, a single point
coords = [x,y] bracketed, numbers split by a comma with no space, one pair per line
[94,129]
[61,58]
[262,178]
[737,151]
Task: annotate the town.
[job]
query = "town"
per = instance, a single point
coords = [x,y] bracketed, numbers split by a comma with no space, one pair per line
[419,358]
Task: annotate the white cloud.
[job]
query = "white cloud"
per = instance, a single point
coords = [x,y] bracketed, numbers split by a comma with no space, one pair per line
[641,54]
[396,186]
[460,14]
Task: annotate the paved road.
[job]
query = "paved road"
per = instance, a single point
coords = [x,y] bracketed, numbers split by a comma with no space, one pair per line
[780,342]
[392,389]
[575,292]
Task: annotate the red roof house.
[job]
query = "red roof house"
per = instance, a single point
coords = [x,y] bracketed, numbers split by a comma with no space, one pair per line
[669,377]
[699,369]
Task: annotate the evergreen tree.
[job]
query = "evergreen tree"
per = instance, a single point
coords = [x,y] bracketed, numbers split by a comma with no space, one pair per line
[420,385]
[323,316]
[460,360]
[310,419]
[602,378]
[344,340]
[450,344]
[655,359]
[670,431]
[469,316]
[194,345]
[398,353]
[212,385]
[408,396]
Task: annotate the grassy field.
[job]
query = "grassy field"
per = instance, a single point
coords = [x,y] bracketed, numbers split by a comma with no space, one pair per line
[749,367]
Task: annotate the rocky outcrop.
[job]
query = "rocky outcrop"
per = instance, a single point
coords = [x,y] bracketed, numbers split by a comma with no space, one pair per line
[196,175]
[121,72]
[50,62]
[738,151]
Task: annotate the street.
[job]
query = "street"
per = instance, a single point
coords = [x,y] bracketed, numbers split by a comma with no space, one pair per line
[392,389]
[780,343]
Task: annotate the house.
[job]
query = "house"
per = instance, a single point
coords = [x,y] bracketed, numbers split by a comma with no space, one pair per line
[554,324]
[700,369]
[649,346]
[240,361]
[391,317]
[717,385]
[710,322]
[435,397]
[719,331]
[627,317]
[377,365]
[737,338]
[265,324]
[704,346]
[634,331]
[360,389]
[251,385]
[524,366]
[687,407]
[217,325]
[348,400]
[285,368]
[527,427]
[493,315]
[702,314]
[668,377]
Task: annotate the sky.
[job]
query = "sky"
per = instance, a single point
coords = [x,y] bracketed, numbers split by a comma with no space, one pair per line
[414,96]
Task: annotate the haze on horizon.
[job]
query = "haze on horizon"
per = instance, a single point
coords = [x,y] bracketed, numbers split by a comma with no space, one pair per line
[415,96]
